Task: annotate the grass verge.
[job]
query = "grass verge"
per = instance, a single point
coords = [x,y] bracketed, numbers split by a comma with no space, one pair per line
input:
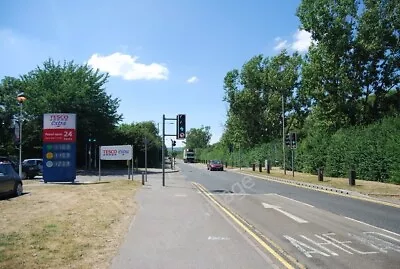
[65,225]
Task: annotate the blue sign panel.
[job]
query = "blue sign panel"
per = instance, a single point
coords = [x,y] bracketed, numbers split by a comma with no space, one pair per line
[59,147]
[59,162]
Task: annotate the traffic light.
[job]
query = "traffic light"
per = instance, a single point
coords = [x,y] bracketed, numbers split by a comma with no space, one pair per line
[181,126]
[294,140]
[287,140]
[173,143]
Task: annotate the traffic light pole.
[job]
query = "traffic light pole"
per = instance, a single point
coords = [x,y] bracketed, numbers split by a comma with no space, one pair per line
[292,161]
[163,145]
[283,134]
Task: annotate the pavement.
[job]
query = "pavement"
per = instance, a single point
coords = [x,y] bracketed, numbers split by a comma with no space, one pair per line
[305,227]
[177,226]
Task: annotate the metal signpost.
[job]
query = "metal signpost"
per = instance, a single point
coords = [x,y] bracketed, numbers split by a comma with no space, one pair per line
[292,142]
[180,135]
[59,147]
[145,156]
[115,153]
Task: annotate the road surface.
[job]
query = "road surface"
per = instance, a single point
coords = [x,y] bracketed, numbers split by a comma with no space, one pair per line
[306,228]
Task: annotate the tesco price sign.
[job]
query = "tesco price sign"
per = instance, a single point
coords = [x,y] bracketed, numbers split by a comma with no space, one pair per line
[59,128]
[59,147]
[59,121]
[119,152]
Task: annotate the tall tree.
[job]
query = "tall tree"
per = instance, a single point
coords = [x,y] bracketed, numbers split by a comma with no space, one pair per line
[351,71]
[72,88]
[255,95]
[198,137]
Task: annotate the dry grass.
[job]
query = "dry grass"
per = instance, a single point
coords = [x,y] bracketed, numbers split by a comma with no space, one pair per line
[372,188]
[65,226]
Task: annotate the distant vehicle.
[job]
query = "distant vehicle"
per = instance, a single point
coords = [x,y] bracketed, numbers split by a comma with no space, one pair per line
[10,182]
[215,165]
[32,168]
[188,156]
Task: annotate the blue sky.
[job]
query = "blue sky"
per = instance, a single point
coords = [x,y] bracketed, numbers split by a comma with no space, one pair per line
[151,48]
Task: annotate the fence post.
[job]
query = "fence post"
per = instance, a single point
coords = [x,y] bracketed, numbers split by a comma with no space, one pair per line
[320,174]
[352,177]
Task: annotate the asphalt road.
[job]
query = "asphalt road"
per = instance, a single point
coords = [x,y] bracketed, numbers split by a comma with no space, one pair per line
[319,230]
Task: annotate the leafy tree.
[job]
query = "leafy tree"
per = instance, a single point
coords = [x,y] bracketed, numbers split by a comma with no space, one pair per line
[351,71]
[255,96]
[9,88]
[198,137]
[135,134]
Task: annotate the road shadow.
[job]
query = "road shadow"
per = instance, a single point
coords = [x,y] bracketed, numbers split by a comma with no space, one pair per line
[121,172]
[78,183]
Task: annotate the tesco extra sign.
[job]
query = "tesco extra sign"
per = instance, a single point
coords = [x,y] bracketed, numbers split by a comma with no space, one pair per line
[59,121]
[119,152]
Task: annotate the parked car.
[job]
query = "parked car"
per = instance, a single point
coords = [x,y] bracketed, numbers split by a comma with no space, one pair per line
[32,168]
[215,165]
[10,182]
[8,159]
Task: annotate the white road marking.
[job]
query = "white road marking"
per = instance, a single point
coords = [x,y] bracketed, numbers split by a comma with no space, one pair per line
[345,244]
[277,208]
[328,239]
[180,195]
[384,230]
[289,199]
[306,249]
[218,238]
[321,245]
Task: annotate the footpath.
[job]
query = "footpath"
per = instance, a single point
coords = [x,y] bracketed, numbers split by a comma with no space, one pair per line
[176,227]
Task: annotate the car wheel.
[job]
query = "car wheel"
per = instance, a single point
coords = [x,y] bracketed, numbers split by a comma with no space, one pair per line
[18,189]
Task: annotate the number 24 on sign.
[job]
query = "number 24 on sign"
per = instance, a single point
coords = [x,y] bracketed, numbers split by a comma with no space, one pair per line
[67,133]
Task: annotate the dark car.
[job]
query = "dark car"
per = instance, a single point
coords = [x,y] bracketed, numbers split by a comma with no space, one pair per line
[10,182]
[215,165]
[8,159]
[32,168]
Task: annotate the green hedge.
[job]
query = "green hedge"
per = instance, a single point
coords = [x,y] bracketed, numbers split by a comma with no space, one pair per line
[373,151]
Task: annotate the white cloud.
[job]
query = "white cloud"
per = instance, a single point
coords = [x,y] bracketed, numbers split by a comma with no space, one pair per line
[193,79]
[127,67]
[302,41]
[281,45]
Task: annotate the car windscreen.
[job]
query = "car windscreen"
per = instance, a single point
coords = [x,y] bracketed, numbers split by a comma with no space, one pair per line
[216,162]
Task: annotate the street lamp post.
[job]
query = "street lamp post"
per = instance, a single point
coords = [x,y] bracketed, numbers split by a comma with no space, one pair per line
[20,98]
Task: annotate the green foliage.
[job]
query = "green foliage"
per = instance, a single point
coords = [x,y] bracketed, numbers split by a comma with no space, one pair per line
[255,95]
[198,137]
[69,87]
[342,98]
[373,151]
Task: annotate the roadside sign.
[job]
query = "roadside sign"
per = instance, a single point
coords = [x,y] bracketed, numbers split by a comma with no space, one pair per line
[59,147]
[117,153]
[122,152]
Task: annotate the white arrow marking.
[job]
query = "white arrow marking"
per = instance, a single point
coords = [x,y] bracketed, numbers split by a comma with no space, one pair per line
[287,214]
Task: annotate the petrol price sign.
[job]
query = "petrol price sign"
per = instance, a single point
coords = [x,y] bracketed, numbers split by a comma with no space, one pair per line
[59,147]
